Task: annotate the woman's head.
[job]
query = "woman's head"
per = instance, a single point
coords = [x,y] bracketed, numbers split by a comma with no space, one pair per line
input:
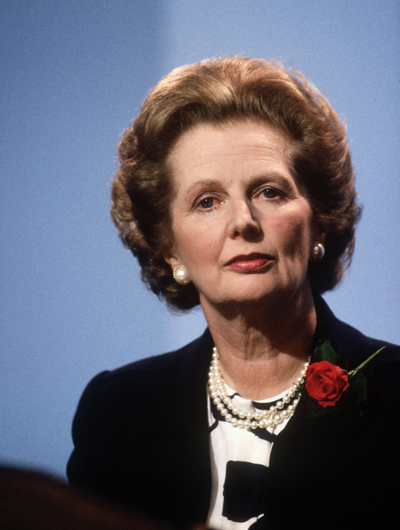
[219,91]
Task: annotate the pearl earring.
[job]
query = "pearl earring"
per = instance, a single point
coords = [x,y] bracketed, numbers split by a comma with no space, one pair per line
[318,252]
[181,275]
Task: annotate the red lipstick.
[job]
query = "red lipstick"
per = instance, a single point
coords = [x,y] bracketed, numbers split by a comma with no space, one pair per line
[251,262]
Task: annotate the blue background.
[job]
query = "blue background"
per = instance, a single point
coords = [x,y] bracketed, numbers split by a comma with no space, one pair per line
[73,75]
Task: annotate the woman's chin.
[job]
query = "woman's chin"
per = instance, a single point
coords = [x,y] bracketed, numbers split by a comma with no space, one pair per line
[247,297]
[256,295]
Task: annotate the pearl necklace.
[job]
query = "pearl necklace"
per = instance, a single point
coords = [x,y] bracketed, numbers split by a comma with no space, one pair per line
[264,419]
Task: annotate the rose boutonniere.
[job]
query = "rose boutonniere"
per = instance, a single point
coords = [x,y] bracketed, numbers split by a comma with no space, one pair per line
[330,385]
[326,383]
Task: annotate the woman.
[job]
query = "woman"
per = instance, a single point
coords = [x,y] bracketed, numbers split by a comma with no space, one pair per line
[236,191]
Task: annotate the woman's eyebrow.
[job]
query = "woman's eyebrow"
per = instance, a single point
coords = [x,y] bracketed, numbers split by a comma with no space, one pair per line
[270,176]
[257,180]
[207,183]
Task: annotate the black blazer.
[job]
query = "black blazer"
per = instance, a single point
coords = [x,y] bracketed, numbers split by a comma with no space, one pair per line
[141,439]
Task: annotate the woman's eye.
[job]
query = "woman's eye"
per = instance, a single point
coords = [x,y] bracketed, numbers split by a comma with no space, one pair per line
[270,193]
[206,203]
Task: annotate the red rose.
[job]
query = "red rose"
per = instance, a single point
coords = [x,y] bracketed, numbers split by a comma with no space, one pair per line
[326,383]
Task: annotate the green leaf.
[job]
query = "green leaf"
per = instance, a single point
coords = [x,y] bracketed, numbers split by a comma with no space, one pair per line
[314,409]
[358,389]
[325,352]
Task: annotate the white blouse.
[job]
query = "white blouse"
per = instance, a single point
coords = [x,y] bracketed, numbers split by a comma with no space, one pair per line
[239,467]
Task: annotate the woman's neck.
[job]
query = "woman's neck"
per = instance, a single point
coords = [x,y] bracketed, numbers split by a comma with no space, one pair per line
[262,350]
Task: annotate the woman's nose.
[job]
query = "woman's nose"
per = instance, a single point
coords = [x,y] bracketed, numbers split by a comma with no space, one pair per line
[244,221]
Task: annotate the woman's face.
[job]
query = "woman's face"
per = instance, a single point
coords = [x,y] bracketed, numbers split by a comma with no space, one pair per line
[241,225]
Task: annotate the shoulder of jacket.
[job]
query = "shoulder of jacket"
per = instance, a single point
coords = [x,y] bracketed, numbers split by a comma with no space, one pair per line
[139,373]
[155,362]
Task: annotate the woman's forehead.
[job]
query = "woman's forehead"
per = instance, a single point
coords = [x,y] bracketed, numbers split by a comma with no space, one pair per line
[210,149]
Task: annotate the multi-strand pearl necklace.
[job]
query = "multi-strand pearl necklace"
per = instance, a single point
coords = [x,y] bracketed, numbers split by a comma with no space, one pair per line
[265,419]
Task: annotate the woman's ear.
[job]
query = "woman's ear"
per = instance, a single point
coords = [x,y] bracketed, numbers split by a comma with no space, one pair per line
[172,261]
[318,233]
[171,258]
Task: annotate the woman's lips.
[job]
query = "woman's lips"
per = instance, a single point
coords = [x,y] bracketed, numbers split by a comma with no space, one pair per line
[252,262]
